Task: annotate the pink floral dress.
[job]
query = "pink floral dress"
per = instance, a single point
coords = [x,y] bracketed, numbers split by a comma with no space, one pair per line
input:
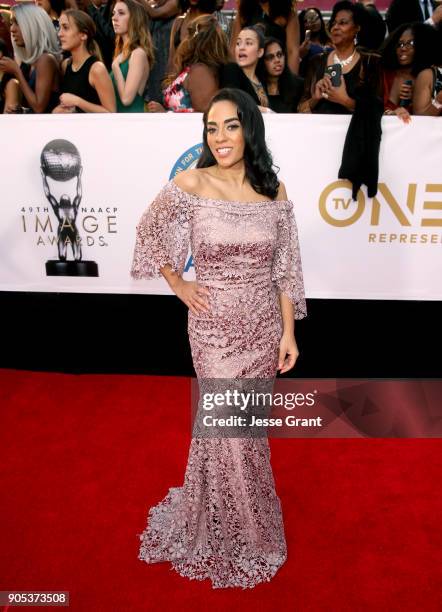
[176,97]
[225,522]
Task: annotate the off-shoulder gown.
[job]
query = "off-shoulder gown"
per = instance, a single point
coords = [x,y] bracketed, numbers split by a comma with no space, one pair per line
[225,522]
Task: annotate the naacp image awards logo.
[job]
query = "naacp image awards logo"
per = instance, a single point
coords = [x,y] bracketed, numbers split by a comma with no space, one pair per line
[60,163]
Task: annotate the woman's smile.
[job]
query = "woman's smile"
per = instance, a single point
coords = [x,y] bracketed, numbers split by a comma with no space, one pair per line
[224,151]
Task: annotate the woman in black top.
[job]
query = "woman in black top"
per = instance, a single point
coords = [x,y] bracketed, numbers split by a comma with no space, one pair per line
[86,84]
[320,96]
[276,18]
[243,74]
[284,89]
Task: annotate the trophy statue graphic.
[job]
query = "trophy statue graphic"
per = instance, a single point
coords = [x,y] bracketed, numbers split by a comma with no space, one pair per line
[60,161]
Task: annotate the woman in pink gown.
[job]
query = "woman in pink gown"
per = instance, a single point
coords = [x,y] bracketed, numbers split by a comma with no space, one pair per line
[225,523]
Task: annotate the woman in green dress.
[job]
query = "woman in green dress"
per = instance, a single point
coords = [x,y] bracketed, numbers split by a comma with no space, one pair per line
[133,55]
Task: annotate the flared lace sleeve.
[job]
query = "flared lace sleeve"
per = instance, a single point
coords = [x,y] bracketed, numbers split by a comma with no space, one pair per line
[162,234]
[286,267]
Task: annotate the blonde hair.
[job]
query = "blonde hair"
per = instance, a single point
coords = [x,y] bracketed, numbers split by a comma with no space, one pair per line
[38,33]
[85,25]
[138,32]
[205,43]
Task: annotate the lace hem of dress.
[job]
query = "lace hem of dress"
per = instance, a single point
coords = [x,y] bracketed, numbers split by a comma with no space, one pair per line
[242,567]
[294,293]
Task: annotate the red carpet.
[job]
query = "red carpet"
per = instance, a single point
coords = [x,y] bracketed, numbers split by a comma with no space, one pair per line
[84,457]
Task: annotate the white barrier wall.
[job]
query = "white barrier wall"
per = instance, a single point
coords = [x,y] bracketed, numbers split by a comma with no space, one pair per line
[388,247]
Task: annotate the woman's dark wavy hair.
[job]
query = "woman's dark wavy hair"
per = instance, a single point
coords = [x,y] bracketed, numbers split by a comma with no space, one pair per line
[205,6]
[323,36]
[359,14]
[426,43]
[257,158]
[286,80]
[277,8]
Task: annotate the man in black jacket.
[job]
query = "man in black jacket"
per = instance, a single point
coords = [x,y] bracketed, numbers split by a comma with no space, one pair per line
[406,11]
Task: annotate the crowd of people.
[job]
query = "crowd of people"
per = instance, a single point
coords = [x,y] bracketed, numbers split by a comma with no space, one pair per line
[64,56]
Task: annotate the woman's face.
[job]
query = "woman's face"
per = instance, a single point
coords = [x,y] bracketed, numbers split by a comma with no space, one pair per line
[69,35]
[247,51]
[274,60]
[16,34]
[225,135]
[120,18]
[405,48]
[312,21]
[343,30]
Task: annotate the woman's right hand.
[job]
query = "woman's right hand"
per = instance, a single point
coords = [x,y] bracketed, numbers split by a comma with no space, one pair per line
[406,92]
[400,112]
[403,114]
[10,109]
[192,294]
[64,109]
[155,107]
[323,88]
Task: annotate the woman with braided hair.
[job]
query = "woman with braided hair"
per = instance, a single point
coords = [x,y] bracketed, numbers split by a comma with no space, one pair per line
[190,10]
[198,60]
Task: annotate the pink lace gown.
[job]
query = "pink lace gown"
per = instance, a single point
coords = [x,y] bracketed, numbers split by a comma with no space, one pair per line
[225,523]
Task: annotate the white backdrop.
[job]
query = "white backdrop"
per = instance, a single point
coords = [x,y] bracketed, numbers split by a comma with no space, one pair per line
[385,248]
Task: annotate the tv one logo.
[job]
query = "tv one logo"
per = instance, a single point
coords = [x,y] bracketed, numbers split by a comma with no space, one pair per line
[338,209]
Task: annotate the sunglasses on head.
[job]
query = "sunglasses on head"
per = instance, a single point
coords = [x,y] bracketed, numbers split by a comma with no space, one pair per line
[311,18]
